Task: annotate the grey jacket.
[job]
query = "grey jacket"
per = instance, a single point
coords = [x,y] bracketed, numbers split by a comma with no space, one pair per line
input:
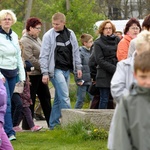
[122,78]
[47,54]
[132,48]
[132,123]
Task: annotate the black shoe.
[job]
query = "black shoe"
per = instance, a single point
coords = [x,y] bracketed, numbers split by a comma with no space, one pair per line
[38,117]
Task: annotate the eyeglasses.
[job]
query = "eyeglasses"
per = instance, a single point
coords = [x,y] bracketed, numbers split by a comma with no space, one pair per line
[135,28]
[108,28]
[7,19]
[38,28]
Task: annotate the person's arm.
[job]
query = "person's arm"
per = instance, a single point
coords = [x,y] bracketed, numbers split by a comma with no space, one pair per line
[118,82]
[77,59]
[28,53]
[121,132]
[132,48]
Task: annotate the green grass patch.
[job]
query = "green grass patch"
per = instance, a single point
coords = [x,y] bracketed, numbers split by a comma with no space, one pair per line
[71,137]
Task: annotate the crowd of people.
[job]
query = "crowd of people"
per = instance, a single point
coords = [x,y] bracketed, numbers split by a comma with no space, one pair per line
[115,65]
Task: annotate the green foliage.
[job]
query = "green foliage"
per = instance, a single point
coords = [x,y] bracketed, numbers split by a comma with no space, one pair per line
[87,131]
[58,139]
[18,27]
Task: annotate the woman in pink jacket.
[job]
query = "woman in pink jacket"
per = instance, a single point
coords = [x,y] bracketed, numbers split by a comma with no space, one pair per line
[4,141]
[131,30]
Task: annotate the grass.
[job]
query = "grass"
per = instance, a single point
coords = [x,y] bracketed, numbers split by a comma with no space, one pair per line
[58,139]
[73,137]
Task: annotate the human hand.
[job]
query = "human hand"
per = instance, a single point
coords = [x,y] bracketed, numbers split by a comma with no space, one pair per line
[45,79]
[79,73]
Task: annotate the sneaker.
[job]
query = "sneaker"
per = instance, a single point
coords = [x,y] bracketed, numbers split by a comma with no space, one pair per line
[36,128]
[17,129]
[12,137]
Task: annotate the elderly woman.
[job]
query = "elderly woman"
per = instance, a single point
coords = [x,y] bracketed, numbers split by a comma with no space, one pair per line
[32,44]
[11,65]
[105,56]
[132,29]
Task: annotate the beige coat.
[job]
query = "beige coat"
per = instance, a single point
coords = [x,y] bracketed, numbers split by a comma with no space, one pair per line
[32,48]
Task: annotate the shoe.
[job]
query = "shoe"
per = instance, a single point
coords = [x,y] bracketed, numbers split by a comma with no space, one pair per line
[12,137]
[36,128]
[17,129]
[38,117]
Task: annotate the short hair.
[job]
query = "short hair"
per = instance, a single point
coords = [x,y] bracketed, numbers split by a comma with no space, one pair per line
[103,24]
[146,22]
[118,32]
[59,16]
[142,41]
[32,22]
[85,38]
[130,23]
[141,62]
[5,12]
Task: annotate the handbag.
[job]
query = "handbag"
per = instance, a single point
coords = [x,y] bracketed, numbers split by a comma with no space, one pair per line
[93,90]
[19,87]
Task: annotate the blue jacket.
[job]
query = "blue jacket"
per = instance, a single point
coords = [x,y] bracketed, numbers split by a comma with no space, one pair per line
[47,59]
[10,55]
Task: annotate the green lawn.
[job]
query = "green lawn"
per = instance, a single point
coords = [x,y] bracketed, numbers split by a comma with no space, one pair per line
[57,139]
[60,139]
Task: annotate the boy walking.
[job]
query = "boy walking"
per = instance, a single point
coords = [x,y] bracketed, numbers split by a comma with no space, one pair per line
[132,123]
[84,82]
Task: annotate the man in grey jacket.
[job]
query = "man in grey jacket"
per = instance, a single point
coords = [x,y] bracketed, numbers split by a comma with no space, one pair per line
[59,55]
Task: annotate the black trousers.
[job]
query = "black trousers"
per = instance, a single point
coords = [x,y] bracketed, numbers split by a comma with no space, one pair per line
[42,90]
[16,108]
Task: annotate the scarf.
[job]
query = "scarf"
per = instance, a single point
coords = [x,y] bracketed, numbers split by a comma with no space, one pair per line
[8,35]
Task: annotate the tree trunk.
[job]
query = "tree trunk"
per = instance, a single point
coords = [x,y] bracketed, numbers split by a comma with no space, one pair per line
[28,11]
[67,5]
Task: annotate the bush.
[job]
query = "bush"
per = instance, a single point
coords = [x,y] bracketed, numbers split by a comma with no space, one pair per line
[86,130]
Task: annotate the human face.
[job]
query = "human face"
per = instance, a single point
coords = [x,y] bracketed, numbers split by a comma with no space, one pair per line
[89,43]
[35,31]
[6,23]
[134,30]
[58,25]
[107,29]
[143,78]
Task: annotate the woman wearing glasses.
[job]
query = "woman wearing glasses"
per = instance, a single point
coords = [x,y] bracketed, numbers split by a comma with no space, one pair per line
[105,56]
[11,65]
[32,44]
[132,29]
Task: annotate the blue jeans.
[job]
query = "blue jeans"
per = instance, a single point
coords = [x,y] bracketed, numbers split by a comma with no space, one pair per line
[8,125]
[60,82]
[81,93]
[104,97]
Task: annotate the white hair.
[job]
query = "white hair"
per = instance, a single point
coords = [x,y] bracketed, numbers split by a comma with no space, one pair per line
[5,12]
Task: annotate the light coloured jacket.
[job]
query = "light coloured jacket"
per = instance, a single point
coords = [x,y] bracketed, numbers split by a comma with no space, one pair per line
[10,55]
[132,48]
[132,123]
[32,48]
[47,54]
[122,78]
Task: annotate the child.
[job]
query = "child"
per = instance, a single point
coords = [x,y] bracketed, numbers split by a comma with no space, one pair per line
[26,100]
[132,123]
[4,141]
[85,81]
